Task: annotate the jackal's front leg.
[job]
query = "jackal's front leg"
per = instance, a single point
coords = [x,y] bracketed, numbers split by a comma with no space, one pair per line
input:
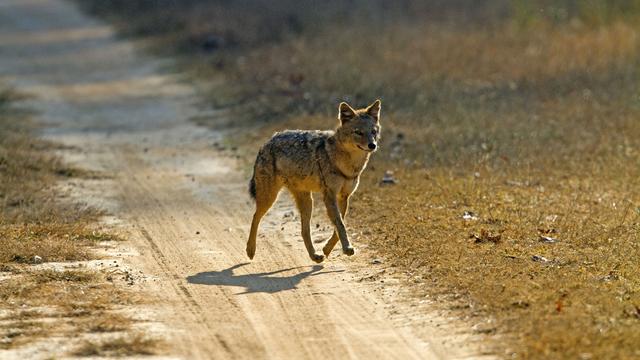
[331,202]
[304,201]
[343,203]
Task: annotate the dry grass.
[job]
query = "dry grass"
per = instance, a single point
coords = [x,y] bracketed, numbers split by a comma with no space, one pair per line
[32,222]
[120,346]
[43,303]
[536,290]
[40,302]
[109,323]
[50,241]
[525,120]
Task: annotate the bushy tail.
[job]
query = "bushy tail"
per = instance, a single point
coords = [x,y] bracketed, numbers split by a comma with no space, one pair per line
[265,165]
[252,182]
[252,186]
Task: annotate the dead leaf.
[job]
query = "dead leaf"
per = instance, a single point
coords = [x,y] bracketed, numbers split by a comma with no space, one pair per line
[486,237]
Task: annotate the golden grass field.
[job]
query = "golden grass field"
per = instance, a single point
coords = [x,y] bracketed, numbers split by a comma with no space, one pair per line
[39,300]
[522,115]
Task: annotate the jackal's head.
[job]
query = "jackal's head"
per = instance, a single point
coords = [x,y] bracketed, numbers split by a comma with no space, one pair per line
[359,129]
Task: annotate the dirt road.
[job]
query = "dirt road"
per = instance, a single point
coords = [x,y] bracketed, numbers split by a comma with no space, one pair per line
[185,207]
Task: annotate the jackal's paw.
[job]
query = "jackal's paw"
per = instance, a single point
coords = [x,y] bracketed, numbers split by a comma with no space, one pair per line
[251,252]
[326,250]
[348,251]
[317,258]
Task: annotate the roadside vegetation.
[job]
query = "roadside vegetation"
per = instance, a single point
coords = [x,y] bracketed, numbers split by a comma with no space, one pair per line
[511,128]
[46,292]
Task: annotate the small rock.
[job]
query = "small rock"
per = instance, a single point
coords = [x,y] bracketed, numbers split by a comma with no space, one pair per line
[388,178]
[547,239]
[197,232]
[483,329]
[539,258]
[376,261]
[469,215]
[37,259]
[288,214]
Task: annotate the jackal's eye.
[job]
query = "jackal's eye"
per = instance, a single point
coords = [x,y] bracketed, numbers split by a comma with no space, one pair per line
[359,133]
[373,132]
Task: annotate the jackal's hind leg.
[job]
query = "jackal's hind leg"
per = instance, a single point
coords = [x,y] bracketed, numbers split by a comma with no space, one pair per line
[266,194]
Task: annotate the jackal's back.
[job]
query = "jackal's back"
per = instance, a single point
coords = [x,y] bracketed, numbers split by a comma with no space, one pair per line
[293,157]
[296,152]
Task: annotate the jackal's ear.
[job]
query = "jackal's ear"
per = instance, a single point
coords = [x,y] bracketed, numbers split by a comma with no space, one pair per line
[374,109]
[345,112]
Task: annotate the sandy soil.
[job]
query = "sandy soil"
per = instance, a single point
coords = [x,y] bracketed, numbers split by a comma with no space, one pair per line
[185,209]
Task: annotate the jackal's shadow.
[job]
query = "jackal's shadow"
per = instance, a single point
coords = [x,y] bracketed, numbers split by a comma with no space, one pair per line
[260,282]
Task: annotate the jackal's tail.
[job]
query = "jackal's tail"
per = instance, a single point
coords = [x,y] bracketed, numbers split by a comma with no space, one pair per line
[264,168]
[252,182]
[252,186]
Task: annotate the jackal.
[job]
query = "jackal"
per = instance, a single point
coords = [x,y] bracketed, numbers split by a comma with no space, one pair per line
[329,162]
